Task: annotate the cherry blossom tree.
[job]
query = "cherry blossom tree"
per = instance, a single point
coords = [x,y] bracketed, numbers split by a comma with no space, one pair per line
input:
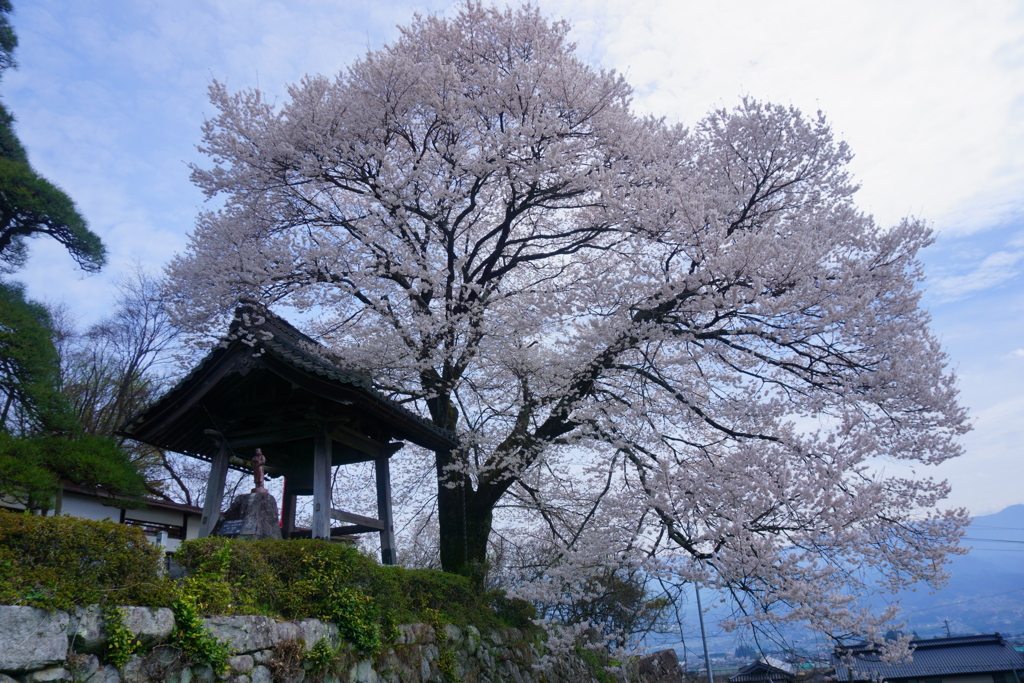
[698,322]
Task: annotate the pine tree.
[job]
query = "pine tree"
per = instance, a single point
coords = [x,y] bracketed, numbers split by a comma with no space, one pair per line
[31,205]
[41,441]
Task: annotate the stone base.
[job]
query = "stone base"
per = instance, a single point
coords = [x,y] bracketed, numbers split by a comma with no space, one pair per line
[35,646]
[251,516]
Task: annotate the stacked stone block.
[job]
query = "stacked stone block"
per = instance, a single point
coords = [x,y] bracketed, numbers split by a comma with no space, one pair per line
[37,646]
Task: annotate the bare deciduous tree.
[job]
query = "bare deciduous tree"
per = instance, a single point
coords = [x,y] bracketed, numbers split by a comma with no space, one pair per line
[115,368]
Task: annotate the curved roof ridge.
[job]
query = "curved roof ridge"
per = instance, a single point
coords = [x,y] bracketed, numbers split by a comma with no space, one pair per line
[256,323]
[263,331]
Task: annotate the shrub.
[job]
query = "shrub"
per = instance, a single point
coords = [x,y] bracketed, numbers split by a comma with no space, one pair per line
[208,587]
[228,578]
[309,578]
[448,664]
[121,643]
[323,661]
[60,562]
[197,645]
[598,662]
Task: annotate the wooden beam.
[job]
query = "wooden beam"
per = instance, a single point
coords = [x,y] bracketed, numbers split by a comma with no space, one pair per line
[191,397]
[287,510]
[341,436]
[388,551]
[369,522]
[322,486]
[417,431]
[364,444]
[337,531]
[265,437]
[354,529]
[214,490]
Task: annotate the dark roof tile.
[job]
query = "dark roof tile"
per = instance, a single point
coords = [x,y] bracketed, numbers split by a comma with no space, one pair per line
[934,657]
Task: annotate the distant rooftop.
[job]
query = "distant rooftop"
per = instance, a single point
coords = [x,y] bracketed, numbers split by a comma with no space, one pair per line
[765,669]
[958,655]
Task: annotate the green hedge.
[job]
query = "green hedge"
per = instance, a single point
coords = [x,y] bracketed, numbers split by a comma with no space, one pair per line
[60,562]
[306,578]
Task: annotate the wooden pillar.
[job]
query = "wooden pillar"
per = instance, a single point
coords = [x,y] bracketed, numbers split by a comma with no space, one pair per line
[214,490]
[322,486]
[388,551]
[287,511]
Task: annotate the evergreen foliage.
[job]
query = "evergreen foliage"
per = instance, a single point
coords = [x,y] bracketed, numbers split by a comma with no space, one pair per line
[323,659]
[8,39]
[29,367]
[63,562]
[39,442]
[295,579]
[40,439]
[30,205]
[32,469]
[195,642]
[121,643]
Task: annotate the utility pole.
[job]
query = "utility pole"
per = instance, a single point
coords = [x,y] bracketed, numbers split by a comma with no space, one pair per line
[946,622]
[703,635]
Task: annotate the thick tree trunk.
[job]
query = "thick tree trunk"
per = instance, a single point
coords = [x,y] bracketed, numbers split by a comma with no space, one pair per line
[479,516]
[465,521]
[465,515]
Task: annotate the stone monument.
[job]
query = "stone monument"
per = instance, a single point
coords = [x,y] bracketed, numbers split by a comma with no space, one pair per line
[252,515]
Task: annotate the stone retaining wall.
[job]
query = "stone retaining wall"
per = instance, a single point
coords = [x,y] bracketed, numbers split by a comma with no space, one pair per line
[37,646]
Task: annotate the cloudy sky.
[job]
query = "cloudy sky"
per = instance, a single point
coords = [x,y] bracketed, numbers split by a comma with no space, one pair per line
[110,96]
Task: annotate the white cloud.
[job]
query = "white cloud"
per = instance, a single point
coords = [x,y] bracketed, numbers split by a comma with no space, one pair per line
[995,270]
[927,93]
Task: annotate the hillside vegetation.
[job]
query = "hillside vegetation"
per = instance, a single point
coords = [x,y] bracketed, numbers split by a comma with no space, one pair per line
[64,562]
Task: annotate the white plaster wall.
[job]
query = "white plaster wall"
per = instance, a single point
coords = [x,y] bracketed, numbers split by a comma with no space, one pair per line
[87,507]
[9,502]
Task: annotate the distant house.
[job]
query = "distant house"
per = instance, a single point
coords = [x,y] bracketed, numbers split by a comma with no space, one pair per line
[960,659]
[162,522]
[765,670]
